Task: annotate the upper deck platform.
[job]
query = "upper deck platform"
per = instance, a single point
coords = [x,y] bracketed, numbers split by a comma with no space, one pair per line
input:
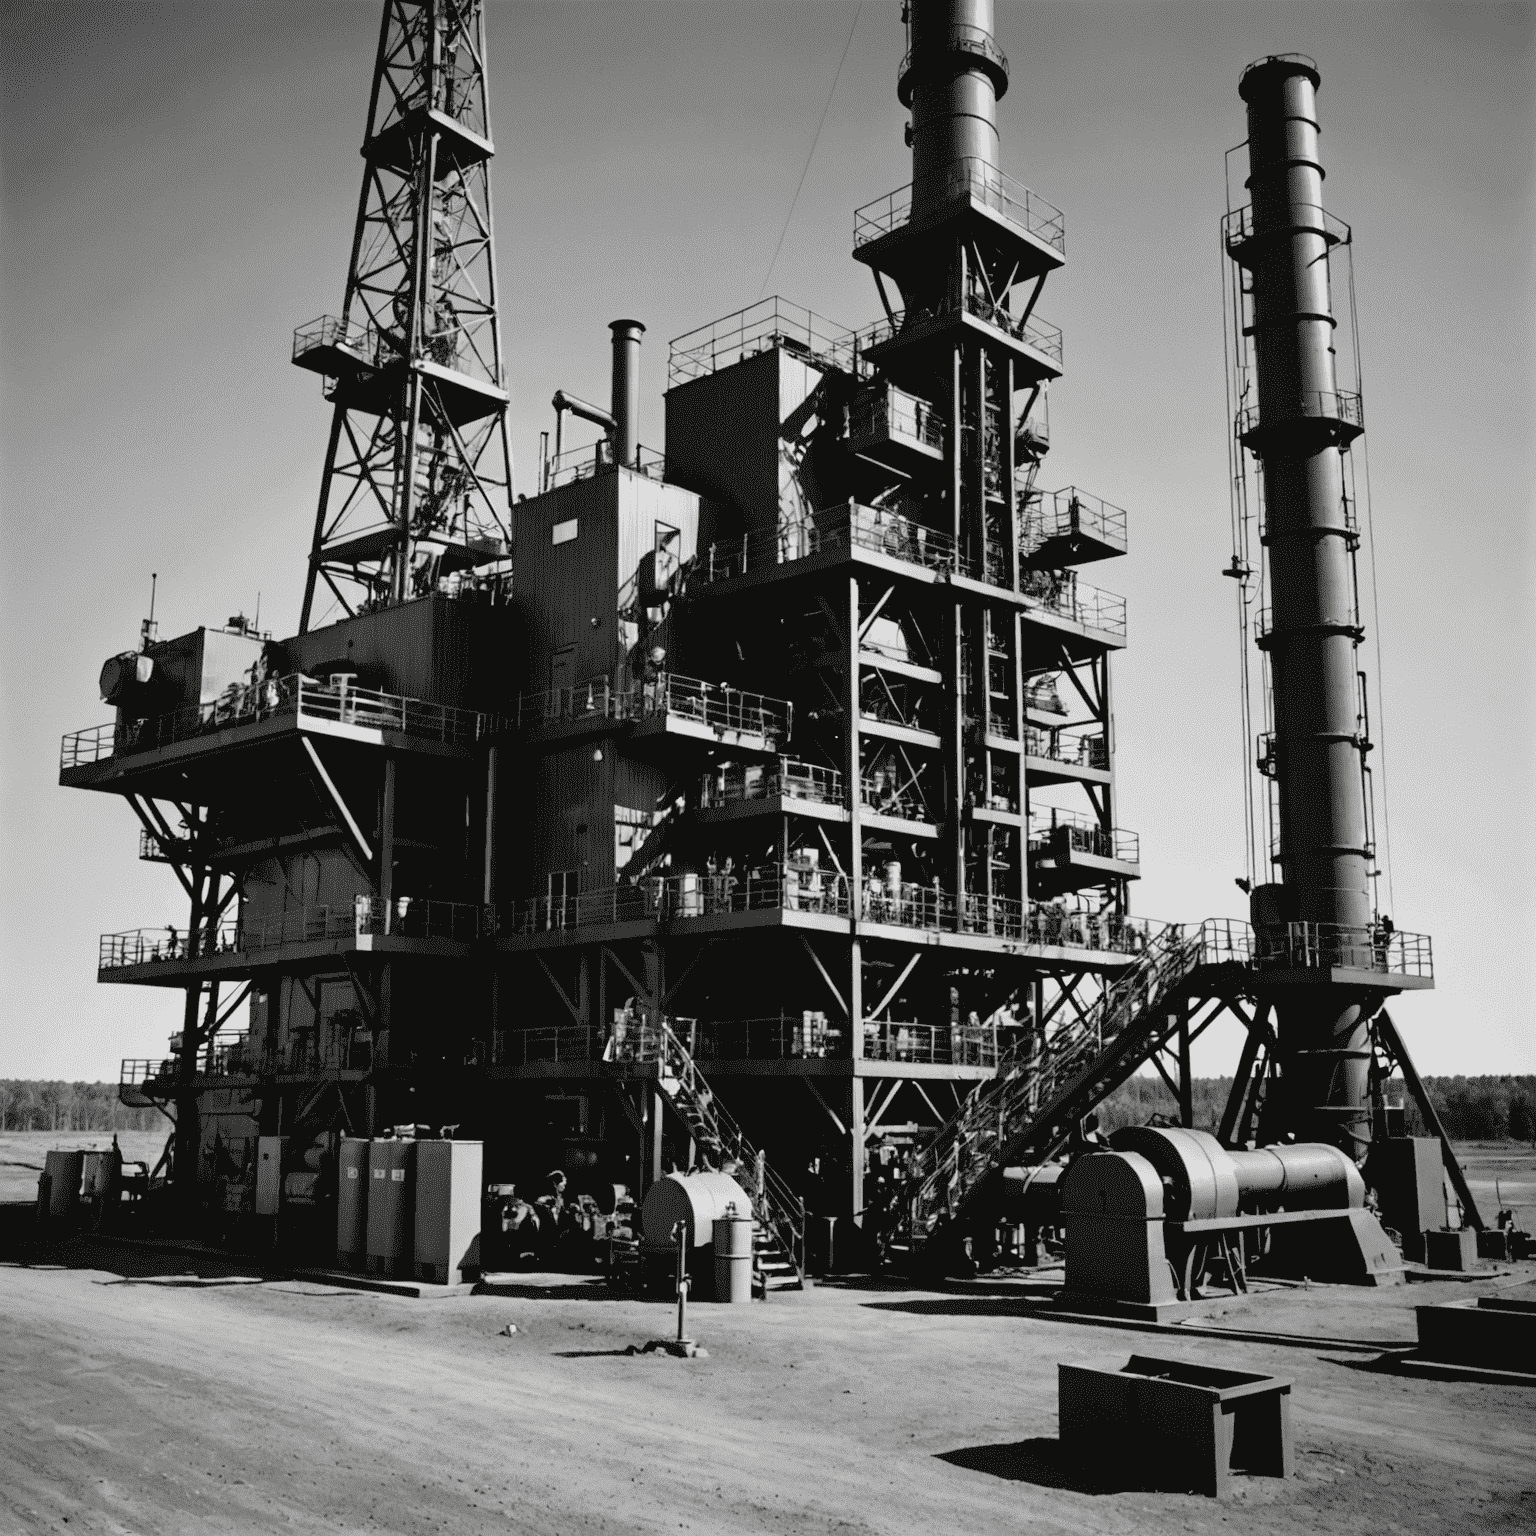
[903,234]
[157,754]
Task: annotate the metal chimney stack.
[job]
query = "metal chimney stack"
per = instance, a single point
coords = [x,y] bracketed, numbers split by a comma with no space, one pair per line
[626,389]
[1299,431]
[951,78]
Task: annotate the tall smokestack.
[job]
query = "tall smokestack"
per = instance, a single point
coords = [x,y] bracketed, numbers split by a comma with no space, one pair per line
[626,389]
[951,78]
[1303,425]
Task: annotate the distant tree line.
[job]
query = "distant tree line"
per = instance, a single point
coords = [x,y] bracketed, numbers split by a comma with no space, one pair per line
[1470,1108]
[55,1106]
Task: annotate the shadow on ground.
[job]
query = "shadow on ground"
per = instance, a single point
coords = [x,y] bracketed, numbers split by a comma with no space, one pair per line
[129,1261]
[1041,1462]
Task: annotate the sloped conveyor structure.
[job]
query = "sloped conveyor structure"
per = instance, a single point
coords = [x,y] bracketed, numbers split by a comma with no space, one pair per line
[1029,1112]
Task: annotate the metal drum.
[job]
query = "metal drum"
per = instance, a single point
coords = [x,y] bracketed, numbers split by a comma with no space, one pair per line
[733,1258]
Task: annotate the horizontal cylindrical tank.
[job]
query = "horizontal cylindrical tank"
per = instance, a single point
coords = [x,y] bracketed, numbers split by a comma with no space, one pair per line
[1302,1176]
[1197,1174]
[352,1202]
[733,1258]
[1202,1180]
[391,1205]
[697,1200]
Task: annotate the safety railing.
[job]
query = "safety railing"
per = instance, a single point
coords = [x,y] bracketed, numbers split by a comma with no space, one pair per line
[331,332]
[161,946]
[970,177]
[777,1207]
[847,526]
[94,744]
[1331,405]
[412,917]
[1043,1082]
[563,1042]
[145,1073]
[1038,334]
[586,909]
[770,323]
[336,700]
[1323,945]
[963,37]
[769,887]
[597,458]
[1069,513]
[799,1037]
[716,705]
[1237,227]
[787,778]
[1072,749]
[891,413]
[882,793]
[1050,826]
[960,1045]
[1061,593]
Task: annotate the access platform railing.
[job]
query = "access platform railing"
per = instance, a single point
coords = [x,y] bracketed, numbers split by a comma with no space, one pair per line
[972,177]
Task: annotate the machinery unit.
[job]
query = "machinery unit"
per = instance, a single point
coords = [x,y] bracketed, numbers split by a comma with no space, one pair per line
[391,1206]
[1169,1212]
[447,1210]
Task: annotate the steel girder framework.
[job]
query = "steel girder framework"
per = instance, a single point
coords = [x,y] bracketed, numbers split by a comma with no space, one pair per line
[418,471]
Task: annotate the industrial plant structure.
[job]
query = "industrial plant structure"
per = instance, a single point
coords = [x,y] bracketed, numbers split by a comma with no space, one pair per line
[750,802]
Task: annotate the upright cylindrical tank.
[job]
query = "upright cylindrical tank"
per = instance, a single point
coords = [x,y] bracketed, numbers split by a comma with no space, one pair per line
[626,389]
[391,1206]
[1301,1177]
[732,1236]
[1302,426]
[352,1202]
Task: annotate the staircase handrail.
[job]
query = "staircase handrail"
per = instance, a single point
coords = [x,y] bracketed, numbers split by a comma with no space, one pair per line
[1041,1076]
[776,1204]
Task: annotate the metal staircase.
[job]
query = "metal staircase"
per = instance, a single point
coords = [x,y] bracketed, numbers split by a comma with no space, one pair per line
[778,1257]
[1030,1110]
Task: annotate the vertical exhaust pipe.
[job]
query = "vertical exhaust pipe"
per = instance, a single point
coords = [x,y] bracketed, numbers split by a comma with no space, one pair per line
[626,390]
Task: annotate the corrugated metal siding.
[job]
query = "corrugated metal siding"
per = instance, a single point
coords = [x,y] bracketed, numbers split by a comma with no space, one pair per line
[460,652]
[561,588]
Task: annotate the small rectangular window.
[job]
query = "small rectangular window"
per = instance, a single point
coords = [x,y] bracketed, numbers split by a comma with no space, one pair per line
[563,533]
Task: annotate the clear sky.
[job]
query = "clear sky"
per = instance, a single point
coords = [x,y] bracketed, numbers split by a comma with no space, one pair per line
[179,186]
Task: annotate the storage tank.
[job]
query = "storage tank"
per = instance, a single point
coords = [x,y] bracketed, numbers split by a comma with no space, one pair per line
[732,1235]
[352,1202]
[391,1205]
[58,1190]
[447,1207]
[698,1200]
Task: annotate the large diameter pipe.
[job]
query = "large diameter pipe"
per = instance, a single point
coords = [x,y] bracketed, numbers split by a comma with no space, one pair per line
[952,79]
[1313,631]
[626,389]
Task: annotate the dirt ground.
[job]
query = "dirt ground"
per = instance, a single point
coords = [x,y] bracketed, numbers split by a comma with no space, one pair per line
[149,1392]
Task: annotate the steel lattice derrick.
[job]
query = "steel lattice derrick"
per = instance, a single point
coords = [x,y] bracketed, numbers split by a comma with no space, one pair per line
[417,482]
